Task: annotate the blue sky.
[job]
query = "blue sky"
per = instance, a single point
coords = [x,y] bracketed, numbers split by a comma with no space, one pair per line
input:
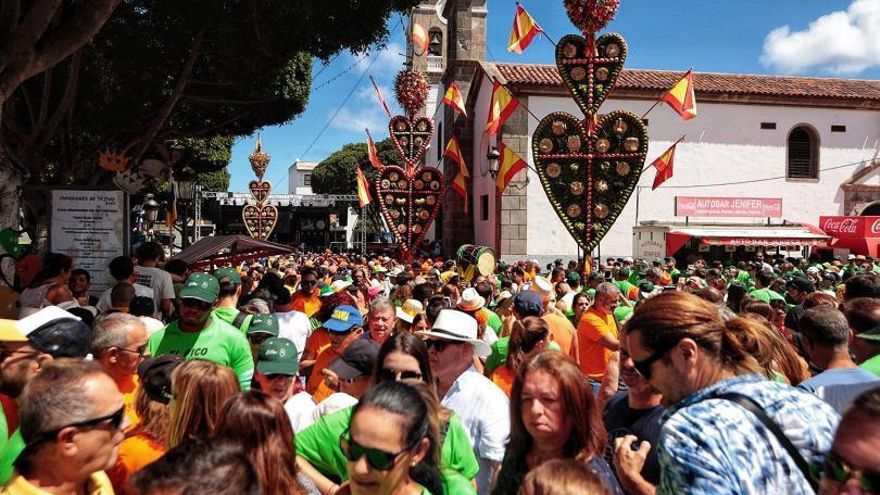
[839,38]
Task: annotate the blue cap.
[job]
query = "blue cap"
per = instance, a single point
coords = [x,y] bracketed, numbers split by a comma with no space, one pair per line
[344,318]
[528,303]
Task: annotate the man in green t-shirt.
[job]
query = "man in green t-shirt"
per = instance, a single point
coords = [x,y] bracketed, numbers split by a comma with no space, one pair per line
[227,299]
[762,291]
[863,318]
[198,335]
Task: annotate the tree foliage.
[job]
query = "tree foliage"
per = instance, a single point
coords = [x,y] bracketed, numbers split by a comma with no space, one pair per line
[336,173]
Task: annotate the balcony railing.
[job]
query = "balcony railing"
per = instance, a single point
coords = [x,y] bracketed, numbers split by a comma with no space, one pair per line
[435,63]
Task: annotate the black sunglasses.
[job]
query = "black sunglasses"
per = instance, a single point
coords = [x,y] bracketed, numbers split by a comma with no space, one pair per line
[377,459]
[643,367]
[837,471]
[389,375]
[437,345]
[115,419]
[139,351]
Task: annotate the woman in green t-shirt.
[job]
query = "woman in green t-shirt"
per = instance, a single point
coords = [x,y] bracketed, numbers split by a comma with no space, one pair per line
[391,445]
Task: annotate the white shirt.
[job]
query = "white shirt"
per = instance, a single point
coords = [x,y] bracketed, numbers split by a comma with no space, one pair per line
[159,280]
[484,411]
[139,291]
[296,327]
[301,410]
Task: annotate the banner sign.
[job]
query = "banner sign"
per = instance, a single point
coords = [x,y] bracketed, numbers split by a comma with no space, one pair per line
[710,206]
[850,227]
[89,226]
[757,241]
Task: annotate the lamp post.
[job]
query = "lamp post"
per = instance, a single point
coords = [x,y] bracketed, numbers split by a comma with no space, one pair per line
[185,180]
[151,212]
[492,159]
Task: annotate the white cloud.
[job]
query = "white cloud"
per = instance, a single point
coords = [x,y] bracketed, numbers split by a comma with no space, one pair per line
[358,119]
[389,59]
[842,42]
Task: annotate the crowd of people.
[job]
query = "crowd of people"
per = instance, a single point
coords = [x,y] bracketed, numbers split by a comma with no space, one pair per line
[328,373]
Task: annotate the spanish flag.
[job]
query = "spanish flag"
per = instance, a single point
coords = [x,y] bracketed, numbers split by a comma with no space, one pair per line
[453,152]
[681,97]
[381,98]
[454,99]
[171,214]
[500,108]
[373,153]
[419,38]
[364,197]
[510,164]
[664,165]
[459,185]
[524,30]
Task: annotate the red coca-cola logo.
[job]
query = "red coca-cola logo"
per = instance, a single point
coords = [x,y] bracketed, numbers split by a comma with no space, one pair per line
[843,225]
[875,227]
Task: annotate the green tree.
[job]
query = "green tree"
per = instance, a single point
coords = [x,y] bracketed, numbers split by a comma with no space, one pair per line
[336,173]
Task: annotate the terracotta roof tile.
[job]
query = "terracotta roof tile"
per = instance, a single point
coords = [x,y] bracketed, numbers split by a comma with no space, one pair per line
[707,82]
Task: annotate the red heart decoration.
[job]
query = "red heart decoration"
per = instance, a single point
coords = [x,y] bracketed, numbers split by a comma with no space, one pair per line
[409,202]
[259,220]
[590,72]
[260,190]
[411,137]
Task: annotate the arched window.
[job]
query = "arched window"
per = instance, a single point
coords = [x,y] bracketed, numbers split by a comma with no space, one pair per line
[435,42]
[803,154]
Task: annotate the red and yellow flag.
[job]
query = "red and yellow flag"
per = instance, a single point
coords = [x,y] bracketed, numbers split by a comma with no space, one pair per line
[419,38]
[454,99]
[500,108]
[171,214]
[664,166]
[510,164]
[453,152]
[524,30]
[681,97]
[381,98]
[459,185]
[373,153]
[364,197]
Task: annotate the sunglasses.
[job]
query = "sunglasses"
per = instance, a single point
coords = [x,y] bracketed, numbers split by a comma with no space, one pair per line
[438,345]
[376,459]
[389,375]
[835,471]
[115,422]
[139,351]
[643,367]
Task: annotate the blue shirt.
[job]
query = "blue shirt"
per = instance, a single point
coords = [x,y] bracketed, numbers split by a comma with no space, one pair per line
[840,387]
[714,446]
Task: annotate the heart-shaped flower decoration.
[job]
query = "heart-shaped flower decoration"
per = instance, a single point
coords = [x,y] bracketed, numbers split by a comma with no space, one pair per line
[590,73]
[589,177]
[260,190]
[411,137]
[259,220]
[409,202]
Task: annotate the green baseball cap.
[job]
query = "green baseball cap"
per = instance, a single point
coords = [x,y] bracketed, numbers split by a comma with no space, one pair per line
[201,286]
[227,274]
[872,335]
[278,356]
[263,323]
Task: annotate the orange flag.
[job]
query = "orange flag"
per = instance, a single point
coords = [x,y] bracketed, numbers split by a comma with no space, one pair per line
[363,190]
[510,164]
[524,30]
[664,165]
[453,152]
[454,99]
[459,185]
[381,98]
[500,108]
[419,38]
[373,153]
[681,97]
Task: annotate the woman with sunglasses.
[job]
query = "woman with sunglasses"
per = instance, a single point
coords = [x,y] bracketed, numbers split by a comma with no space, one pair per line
[553,415]
[402,357]
[390,447]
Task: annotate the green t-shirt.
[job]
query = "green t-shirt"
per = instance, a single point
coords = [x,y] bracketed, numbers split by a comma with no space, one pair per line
[872,365]
[219,342]
[494,321]
[319,444]
[499,354]
[622,312]
[8,455]
[229,314]
[766,295]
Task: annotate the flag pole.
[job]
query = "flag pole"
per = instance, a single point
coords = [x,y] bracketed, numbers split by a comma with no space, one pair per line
[670,146]
[652,107]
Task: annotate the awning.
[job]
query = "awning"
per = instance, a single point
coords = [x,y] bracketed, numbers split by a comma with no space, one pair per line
[804,235]
[233,248]
[866,246]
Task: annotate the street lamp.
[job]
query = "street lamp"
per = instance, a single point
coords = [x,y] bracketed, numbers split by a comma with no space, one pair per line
[151,209]
[492,159]
[186,181]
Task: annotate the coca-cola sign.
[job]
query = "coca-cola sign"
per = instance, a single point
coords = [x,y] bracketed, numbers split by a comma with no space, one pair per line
[850,227]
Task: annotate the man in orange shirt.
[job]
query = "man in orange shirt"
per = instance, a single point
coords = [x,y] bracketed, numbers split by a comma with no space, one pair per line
[344,327]
[597,332]
[118,344]
[308,298]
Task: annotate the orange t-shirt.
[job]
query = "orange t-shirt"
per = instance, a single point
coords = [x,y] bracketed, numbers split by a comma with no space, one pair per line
[562,331]
[594,356]
[503,377]
[317,342]
[316,385]
[307,304]
[129,387]
[135,453]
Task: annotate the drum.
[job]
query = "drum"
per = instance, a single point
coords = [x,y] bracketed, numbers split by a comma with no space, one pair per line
[474,260]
